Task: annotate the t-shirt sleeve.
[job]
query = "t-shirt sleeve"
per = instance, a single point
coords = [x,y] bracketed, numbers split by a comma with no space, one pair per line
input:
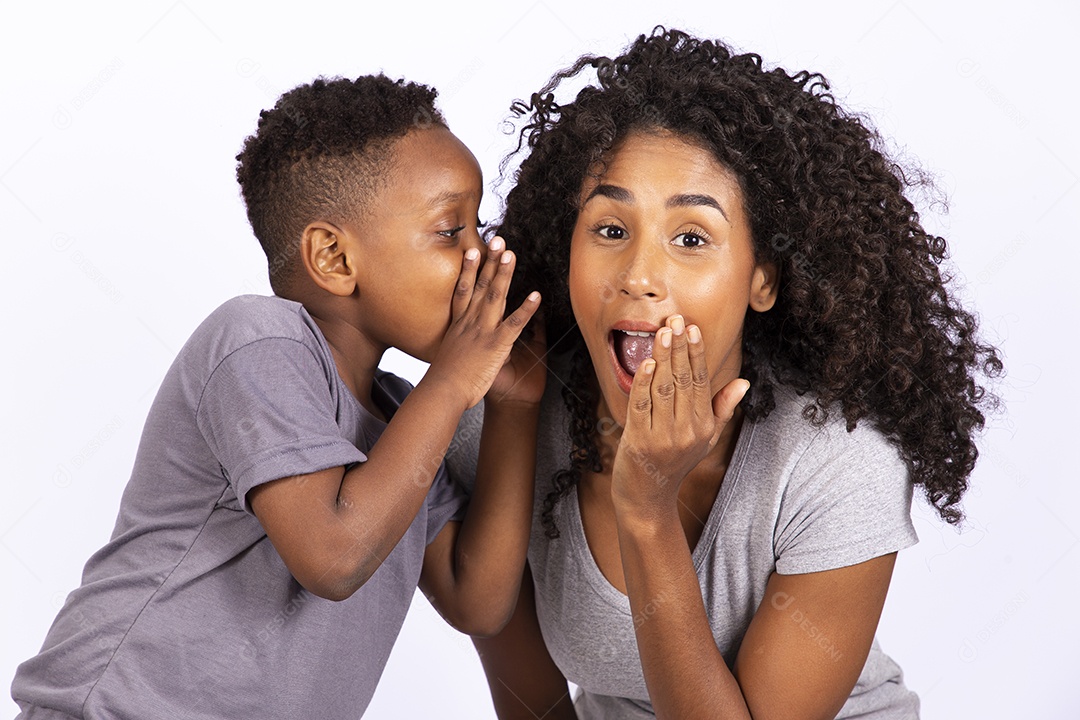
[446,502]
[848,501]
[449,496]
[464,450]
[267,413]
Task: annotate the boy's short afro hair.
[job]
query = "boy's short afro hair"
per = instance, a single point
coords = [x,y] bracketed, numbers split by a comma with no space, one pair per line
[320,153]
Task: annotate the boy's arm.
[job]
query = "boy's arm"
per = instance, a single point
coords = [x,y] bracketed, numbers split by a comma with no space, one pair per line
[334,528]
[472,570]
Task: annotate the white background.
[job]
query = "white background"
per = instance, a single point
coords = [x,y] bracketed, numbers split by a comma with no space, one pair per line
[125,229]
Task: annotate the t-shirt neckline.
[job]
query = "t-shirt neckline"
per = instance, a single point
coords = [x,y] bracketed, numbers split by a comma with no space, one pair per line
[700,552]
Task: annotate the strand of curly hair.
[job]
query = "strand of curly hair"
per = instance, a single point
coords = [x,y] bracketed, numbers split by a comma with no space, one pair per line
[865,321]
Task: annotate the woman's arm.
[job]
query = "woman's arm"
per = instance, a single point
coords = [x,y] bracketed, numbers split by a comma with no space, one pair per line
[807,642]
[472,570]
[800,657]
[812,634]
[525,682]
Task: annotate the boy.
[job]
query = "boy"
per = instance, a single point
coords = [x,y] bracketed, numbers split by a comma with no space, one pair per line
[280,471]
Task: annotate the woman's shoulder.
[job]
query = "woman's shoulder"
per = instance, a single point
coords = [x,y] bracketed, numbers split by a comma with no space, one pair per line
[831,496]
[797,429]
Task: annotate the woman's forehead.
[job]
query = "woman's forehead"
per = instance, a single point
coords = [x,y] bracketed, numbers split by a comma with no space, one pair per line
[663,161]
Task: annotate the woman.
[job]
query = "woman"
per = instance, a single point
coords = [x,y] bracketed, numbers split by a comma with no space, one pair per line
[704,546]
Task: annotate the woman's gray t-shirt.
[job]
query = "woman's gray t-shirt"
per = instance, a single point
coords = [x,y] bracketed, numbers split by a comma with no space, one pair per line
[796,499]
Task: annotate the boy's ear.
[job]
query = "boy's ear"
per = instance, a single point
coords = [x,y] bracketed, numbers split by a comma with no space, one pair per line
[764,286]
[326,251]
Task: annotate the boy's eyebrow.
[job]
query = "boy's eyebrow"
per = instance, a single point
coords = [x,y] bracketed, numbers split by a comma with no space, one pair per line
[448,198]
[691,200]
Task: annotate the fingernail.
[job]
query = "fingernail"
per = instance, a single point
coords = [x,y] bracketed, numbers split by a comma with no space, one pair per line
[534,296]
[496,244]
[648,366]
[694,334]
[506,258]
[665,337]
[677,324]
[472,254]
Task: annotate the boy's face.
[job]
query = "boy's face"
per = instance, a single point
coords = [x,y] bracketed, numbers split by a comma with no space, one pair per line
[412,240]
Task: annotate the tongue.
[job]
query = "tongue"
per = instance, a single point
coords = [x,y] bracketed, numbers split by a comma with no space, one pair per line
[632,350]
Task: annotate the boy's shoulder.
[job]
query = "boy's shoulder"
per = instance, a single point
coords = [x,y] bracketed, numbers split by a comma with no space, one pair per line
[258,316]
[251,323]
[250,318]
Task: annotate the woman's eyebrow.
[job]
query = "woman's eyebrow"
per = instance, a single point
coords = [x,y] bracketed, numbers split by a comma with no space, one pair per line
[616,193]
[692,200]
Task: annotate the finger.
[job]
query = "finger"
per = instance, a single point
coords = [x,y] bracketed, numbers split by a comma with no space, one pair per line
[513,325]
[494,299]
[699,373]
[491,266]
[680,371]
[663,386]
[640,412]
[726,401]
[464,290]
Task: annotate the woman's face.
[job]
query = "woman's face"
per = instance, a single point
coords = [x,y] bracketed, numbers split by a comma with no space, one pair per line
[662,232]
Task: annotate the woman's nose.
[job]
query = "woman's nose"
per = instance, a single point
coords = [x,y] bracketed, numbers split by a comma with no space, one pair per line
[642,274]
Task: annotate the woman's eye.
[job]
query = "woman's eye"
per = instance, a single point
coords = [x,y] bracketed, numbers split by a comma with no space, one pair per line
[688,240]
[611,232]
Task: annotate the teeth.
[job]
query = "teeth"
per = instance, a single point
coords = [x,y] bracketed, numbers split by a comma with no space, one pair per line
[635,333]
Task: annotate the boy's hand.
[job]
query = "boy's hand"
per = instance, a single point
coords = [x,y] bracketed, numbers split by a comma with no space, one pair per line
[479,340]
[672,422]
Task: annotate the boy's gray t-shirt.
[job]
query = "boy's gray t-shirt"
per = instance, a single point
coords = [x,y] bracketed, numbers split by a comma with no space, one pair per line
[189,611]
[796,499]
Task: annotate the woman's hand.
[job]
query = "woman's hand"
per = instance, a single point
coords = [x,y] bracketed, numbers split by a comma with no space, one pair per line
[522,377]
[672,422]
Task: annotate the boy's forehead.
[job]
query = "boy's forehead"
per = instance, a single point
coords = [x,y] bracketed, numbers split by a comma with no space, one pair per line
[431,146]
[433,168]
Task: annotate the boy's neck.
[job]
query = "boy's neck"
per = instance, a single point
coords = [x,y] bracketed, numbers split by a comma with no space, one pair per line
[356,356]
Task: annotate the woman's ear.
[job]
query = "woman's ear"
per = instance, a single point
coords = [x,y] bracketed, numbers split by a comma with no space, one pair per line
[764,286]
[327,251]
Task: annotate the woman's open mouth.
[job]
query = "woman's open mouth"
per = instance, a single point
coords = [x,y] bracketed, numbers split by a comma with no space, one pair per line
[629,349]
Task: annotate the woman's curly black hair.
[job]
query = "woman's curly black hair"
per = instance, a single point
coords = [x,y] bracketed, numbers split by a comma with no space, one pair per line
[864,321]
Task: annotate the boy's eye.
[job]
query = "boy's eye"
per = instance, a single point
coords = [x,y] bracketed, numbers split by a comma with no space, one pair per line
[453,232]
[611,232]
[688,240]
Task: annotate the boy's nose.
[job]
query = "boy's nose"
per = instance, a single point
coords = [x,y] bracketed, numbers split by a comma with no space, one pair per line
[473,240]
